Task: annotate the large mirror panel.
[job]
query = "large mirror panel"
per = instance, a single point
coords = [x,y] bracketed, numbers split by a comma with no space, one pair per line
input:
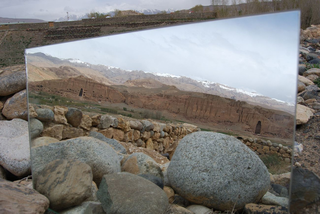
[205,111]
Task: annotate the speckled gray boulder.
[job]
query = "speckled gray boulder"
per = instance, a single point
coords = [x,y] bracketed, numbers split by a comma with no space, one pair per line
[217,171]
[112,142]
[97,154]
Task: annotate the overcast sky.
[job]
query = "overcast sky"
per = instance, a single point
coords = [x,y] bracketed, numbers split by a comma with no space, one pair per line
[49,10]
[258,54]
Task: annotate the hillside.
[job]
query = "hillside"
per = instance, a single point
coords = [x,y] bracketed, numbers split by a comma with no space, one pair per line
[198,108]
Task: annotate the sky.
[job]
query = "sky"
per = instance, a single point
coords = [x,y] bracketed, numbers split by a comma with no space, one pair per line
[49,10]
[256,53]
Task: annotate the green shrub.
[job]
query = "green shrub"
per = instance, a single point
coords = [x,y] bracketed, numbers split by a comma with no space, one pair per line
[317,82]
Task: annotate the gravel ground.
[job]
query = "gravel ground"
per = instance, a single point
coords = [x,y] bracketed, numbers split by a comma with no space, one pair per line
[309,135]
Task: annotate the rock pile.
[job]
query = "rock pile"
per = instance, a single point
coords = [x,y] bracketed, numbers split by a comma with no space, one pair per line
[100,154]
[305,177]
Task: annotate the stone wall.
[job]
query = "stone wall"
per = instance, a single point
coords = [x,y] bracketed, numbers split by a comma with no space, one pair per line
[64,123]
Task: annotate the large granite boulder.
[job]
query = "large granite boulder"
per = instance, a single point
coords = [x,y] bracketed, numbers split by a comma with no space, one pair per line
[97,154]
[16,198]
[12,83]
[14,144]
[124,193]
[217,171]
[66,183]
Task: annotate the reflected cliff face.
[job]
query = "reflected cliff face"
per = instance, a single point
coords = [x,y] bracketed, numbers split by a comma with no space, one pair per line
[234,76]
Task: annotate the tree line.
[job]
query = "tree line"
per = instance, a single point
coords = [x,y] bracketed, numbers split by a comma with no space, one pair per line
[310,9]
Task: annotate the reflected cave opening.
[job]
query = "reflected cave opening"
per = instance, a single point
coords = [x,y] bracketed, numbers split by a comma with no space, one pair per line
[81,92]
[258,128]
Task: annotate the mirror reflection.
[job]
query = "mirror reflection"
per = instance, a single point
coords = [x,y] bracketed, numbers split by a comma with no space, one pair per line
[205,111]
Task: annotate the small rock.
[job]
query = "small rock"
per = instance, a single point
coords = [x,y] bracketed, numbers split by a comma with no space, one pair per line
[16,106]
[86,122]
[74,116]
[170,193]
[123,124]
[303,114]
[280,190]
[106,121]
[59,114]
[302,69]
[135,124]
[45,115]
[36,127]
[199,209]
[16,198]
[54,131]
[271,199]
[310,95]
[147,125]
[315,71]
[301,86]
[96,120]
[282,179]
[176,209]
[66,183]
[312,77]
[298,148]
[305,80]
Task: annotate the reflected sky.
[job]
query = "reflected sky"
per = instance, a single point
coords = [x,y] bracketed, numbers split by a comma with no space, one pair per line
[258,53]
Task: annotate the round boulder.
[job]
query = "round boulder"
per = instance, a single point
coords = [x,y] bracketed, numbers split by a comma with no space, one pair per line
[74,117]
[45,114]
[66,183]
[36,127]
[217,171]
